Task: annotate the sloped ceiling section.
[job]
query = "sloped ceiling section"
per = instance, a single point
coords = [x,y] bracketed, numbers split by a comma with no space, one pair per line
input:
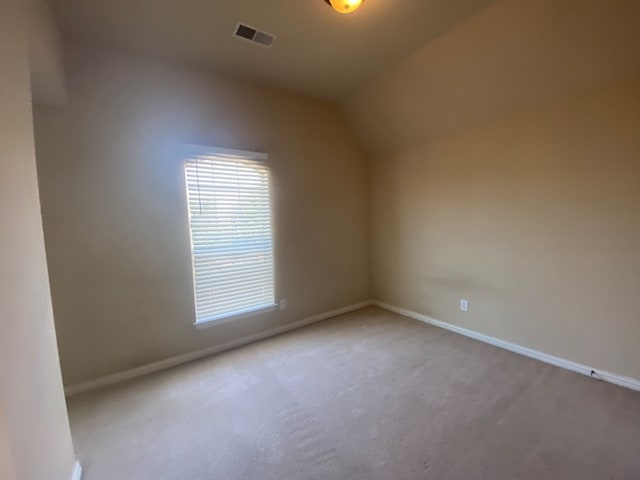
[512,56]
[318,52]
[406,70]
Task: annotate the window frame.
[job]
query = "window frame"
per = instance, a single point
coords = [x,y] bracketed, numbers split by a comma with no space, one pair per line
[189,152]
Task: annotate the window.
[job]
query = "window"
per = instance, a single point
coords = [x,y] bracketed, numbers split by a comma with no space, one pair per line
[229,200]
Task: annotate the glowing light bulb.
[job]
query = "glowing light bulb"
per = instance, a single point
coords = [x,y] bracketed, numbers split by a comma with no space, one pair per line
[345,6]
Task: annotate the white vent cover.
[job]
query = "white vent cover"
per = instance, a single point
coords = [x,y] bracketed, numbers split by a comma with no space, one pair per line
[253,35]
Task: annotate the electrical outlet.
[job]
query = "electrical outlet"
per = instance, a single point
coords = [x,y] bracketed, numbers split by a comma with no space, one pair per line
[283,304]
[464,305]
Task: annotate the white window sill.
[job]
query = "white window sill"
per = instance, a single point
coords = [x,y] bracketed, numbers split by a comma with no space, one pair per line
[234,316]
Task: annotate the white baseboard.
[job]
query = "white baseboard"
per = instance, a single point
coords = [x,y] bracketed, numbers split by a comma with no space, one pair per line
[189,357]
[77,472]
[628,382]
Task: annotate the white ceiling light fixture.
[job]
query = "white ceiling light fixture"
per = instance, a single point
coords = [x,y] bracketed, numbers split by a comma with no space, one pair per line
[345,6]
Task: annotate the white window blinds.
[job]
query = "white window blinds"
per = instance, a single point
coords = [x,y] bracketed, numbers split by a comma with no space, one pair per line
[231,235]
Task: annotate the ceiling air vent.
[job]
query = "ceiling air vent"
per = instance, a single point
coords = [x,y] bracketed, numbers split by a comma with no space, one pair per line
[245,32]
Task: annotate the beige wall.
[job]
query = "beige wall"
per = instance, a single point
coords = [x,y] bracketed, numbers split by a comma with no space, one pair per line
[535,219]
[35,442]
[506,166]
[115,213]
[7,470]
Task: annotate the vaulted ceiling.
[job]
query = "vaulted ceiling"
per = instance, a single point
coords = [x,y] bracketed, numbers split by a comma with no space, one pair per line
[407,70]
[512,56]
[318,51]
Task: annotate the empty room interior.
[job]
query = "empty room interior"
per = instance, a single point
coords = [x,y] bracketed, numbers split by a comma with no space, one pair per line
[320,239]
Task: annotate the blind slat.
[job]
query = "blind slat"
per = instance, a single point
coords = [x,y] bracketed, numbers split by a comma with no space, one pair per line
[220,280]
[232,303]
[227,289]
[235,269]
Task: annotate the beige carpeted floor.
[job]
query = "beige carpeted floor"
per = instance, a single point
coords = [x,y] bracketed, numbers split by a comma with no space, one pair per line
[369,395]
